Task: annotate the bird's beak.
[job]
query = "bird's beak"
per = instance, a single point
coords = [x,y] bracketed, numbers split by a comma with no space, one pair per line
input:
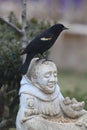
[65,28]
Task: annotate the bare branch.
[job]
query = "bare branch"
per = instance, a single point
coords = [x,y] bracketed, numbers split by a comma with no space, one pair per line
[24,14]
[11,25]
[24,23]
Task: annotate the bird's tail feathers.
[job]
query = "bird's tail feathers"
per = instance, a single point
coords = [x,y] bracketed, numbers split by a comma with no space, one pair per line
[24,67]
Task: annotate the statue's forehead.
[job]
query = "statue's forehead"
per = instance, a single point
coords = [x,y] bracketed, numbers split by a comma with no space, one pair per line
[43,68]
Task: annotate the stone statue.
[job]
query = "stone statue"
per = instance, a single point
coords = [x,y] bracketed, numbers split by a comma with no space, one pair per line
[42,106]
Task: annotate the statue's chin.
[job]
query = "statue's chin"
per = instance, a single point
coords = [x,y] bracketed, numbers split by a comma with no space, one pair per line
[49,90]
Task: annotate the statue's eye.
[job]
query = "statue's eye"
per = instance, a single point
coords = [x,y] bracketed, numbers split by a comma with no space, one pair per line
[47,75]
[55,74]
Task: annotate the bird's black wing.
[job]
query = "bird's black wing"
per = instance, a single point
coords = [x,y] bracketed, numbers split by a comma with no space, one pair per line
[38,42]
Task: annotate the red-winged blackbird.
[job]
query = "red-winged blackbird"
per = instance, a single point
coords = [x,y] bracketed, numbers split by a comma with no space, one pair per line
[40,44]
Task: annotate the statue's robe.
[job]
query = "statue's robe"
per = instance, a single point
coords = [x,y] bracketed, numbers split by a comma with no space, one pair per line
[45,104]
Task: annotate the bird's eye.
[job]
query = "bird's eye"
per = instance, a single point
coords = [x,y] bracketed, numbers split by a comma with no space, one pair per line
[46,38]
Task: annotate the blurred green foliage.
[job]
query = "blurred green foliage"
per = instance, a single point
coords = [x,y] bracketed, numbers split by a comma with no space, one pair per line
[78,95]
[10,61]
[35,27]
[10,48]
[73,84]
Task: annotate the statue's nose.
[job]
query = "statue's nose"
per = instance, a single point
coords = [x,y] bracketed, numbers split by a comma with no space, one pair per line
[52,78]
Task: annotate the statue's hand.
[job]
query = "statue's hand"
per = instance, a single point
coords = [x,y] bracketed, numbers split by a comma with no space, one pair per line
[72,108]
[30,112]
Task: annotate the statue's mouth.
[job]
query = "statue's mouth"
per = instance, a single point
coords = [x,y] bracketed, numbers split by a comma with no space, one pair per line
[51,85]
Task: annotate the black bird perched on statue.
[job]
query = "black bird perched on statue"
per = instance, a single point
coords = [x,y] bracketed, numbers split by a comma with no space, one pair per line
[40,44]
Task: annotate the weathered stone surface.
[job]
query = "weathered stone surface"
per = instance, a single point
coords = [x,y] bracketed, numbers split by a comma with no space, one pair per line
[42,106]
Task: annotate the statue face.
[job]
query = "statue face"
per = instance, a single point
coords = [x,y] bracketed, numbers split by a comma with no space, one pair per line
[47,77]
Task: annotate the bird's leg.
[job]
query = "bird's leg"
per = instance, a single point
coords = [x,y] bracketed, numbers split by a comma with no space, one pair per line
[39,57]
[44,56]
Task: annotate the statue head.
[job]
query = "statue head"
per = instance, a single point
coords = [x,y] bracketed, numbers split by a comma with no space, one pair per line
[43,75]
